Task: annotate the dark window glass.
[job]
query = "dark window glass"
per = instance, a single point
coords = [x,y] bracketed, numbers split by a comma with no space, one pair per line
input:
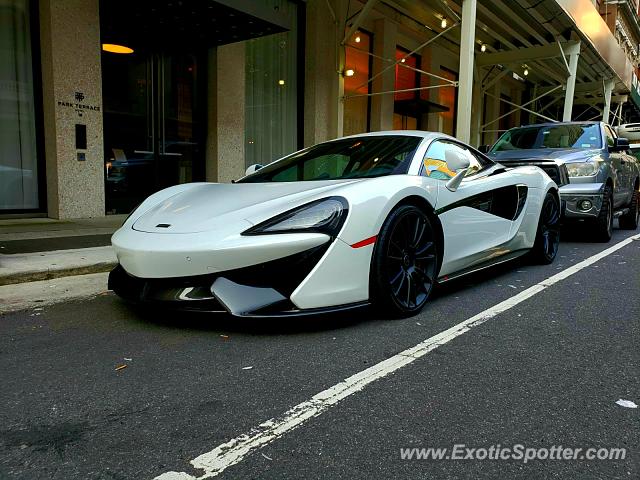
[550,136]
[357,157]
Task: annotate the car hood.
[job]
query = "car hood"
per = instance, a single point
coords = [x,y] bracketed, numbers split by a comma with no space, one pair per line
[558,155]
[209,206]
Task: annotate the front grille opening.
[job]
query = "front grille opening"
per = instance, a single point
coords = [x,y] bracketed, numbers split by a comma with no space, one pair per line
[283,274]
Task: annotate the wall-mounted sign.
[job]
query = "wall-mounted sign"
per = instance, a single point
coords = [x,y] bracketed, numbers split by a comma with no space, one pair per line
[78,104]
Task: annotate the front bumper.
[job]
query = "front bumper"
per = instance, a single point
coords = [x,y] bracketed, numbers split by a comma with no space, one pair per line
[262,290]
[573,196]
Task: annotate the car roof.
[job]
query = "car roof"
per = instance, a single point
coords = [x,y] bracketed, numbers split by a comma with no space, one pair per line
[396,133]
[550,124]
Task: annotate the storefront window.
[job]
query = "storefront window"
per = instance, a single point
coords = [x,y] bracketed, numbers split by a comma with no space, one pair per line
[447,98]
[18,156]
[357,62]
[271,120]
[406,109]
[153,135]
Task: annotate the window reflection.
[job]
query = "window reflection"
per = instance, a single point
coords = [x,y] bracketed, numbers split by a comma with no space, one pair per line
[357,109]
[18,156]
[271,92]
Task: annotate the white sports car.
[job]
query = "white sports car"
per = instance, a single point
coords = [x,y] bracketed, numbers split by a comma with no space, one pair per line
[375,218]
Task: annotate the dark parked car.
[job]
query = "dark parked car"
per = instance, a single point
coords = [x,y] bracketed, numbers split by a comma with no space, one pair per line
[598,177]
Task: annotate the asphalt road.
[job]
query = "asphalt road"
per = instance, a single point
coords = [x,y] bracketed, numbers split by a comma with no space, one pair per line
[546,372]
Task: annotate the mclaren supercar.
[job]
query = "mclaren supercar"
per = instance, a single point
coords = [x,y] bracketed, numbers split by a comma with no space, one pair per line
[376,218]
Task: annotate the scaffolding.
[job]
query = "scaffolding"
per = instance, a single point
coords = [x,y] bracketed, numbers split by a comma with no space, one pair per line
[560,75]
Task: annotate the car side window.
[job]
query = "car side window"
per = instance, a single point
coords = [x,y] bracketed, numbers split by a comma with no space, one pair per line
[478,163]
[434,164]
[610,136]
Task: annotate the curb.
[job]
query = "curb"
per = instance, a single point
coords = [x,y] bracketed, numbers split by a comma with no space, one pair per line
[37,275]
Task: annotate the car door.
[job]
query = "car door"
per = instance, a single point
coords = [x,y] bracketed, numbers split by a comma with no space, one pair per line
[619,164]
[477,217]
[629,168]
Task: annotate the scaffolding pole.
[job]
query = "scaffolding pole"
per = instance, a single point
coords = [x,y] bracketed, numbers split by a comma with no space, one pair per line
[571,85]
[521,107]
[608,88]
[465,82]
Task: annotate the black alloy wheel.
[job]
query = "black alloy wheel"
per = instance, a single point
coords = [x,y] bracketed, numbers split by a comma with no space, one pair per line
[630,220]
[604,222]
[547,240]
[405,261]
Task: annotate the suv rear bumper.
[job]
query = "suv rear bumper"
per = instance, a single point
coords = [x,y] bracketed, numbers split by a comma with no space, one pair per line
[578,196]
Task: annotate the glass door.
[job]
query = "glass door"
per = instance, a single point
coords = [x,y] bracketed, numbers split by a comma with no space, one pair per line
[19,162]
[154,135]
[178,148]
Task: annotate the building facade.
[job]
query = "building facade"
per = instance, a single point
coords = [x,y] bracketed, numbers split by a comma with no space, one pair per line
[104,102]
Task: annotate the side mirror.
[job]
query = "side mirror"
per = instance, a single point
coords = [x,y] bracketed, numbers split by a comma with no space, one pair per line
[253,168]
[484,148]
[459,163]
[620,144]
[453,184]
[456,161]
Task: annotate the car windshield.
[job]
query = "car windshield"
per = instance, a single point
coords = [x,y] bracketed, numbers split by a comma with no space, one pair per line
[358,157]
[550,136]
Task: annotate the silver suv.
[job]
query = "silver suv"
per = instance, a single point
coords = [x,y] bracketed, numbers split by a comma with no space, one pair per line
[598,177]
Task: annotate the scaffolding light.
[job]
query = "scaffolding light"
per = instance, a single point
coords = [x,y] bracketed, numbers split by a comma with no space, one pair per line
[114,48]
[483,48]
[357,39]
[443,23]
[526,71]
[403,60]
[349,72]
[280,82]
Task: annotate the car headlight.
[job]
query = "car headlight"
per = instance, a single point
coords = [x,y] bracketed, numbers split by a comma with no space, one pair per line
[322,216]
[582,169]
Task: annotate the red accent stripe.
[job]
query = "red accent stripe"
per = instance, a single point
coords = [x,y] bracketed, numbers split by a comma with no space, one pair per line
[365,242]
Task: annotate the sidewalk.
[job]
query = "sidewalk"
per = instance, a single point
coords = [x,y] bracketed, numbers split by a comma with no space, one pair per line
[41,248]
[31,267]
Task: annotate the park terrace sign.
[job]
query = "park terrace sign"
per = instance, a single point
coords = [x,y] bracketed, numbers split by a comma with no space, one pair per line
[78,104]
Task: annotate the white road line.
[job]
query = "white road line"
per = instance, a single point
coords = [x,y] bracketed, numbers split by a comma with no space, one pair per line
[235,450]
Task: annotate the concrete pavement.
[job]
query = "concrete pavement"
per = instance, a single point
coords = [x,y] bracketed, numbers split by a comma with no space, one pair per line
[38,249]
[40,294]
[30,267]
[42,228]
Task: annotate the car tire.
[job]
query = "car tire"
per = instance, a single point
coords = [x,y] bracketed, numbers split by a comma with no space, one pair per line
[404,264]
[603,225]
[545,247]
[629,221]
